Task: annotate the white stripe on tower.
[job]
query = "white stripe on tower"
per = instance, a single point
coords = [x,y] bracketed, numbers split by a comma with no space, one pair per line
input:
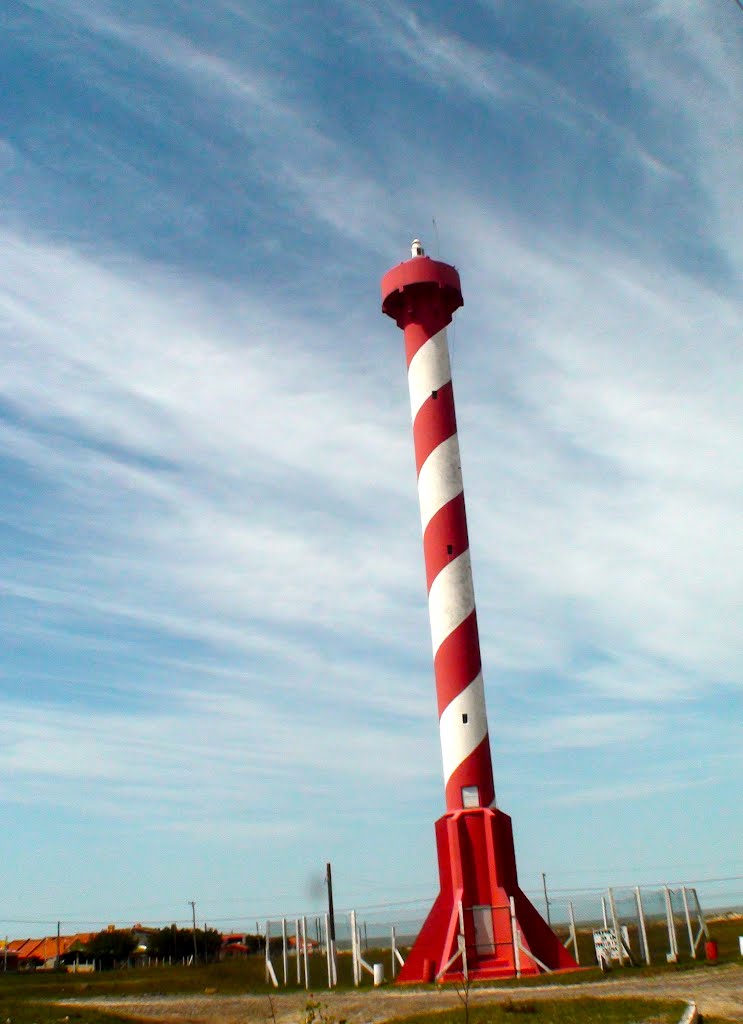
[457,744]
[429,370]
[451,599]
[440,479]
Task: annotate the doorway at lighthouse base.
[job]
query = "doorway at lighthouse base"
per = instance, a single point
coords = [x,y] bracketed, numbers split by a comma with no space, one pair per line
[482,925]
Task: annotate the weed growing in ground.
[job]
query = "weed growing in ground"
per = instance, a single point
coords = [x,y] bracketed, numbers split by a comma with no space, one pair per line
[463,991]
[316,1012]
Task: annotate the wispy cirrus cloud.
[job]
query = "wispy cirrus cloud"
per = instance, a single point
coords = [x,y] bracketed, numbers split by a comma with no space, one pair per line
[442,59]
[207,441]
[249,131]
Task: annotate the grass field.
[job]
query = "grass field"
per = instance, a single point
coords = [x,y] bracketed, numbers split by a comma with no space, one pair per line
[231,977]
[578,1011]
[31,1003]
[31,999]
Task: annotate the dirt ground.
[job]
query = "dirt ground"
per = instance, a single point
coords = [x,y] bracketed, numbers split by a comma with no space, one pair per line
[717,992]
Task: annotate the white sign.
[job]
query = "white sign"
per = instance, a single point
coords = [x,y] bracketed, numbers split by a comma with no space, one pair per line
[605,943]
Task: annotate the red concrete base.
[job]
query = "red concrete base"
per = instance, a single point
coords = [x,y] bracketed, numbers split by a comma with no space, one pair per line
[477,870]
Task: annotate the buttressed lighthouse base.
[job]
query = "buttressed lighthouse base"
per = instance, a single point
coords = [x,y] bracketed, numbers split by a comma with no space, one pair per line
[481,925]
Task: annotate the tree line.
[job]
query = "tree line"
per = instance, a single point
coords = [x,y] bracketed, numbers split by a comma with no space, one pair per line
[115,946]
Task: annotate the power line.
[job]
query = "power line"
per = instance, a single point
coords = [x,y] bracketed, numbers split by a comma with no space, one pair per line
[391,905]
[649,885]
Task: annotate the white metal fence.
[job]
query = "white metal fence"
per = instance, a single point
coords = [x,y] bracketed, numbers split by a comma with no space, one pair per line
[624,925]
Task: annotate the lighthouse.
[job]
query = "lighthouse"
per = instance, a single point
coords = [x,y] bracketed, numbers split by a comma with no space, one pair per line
[481,925]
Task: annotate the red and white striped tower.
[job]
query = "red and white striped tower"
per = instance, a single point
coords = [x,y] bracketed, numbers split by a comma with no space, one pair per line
[479,898]
[424,308]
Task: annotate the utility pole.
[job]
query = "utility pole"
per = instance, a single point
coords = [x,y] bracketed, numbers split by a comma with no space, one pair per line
[331,915]
[546,898]
[195,950]
[56,962]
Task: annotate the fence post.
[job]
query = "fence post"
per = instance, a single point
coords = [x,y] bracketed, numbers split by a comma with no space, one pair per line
[270,972]
[690,930]
[355,950]
[573,932]
[296,947]
[393,946]
[284,952]
[515,938]
[603,912]
[305,955]
[465,967]
[330,949]
[700,915]
[615,924]
[643,930]
[673,953]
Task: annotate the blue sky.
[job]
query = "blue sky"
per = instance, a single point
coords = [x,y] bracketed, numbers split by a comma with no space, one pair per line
[216,669]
